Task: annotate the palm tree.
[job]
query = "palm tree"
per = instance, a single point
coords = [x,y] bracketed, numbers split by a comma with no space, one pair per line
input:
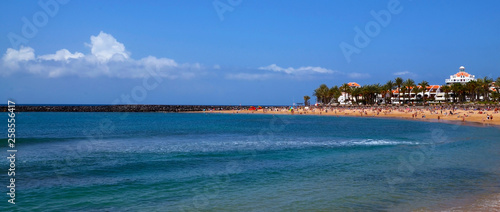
[497,85]
[424,84]
[409,83]
[384,91]
[495,96]
[334,92]
[389,85]
[369,93]
[457,89]
[317,94]
[375,90]
[321,94]
[399,82]
[446,89]
[485,88]
[346,89]
[355,92]
[306,100]
[331,94]
[417,90]
[472,87]
[364,92]
[403,92]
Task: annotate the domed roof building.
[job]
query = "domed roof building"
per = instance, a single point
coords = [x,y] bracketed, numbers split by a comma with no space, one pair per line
[460,77]
[354,85]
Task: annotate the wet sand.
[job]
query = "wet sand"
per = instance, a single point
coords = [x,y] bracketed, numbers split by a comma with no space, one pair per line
[484,203]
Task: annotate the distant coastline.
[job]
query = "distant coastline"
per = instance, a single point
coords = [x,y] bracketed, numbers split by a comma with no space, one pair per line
[119,108]
[463,113]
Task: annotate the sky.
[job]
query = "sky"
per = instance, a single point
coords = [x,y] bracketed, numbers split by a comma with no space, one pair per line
[232,52]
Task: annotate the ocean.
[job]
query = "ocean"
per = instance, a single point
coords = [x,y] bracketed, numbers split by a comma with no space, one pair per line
[236,162]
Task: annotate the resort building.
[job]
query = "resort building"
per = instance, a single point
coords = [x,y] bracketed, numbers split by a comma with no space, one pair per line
[346,98]
[432,93]
[460,77]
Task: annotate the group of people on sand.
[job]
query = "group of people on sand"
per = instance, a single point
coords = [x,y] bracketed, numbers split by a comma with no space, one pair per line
[475,113]
[488,117]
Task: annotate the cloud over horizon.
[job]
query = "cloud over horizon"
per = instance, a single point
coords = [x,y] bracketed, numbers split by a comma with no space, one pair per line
[304,72]
[356,75]
[403,73]
[300,70]
[248,76]
[107,57]
[274,71]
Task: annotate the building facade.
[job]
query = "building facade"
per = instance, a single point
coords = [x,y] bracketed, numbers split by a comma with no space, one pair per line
[460,77]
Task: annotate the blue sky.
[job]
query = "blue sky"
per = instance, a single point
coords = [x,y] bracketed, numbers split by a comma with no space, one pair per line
[234,52]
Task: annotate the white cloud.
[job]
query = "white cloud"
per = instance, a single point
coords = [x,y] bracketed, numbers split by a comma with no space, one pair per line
[247,76]
[301,70]
[290,72]
[61,55]
[13,57]
[158,63]
[402,73]
[358,75]
[104,47]
[107,57]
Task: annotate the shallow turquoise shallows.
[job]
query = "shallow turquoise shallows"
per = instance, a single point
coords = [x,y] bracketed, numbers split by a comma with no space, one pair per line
[235,162]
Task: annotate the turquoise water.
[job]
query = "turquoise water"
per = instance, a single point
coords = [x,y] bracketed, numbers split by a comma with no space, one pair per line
[228,162]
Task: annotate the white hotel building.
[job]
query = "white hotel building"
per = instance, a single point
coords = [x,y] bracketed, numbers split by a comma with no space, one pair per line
[460,77]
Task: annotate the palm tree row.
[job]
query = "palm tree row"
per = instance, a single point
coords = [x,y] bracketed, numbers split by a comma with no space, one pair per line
[367,94]
[473,90]
[325,95]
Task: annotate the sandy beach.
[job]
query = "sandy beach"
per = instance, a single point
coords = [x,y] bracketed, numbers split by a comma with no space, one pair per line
[482,117]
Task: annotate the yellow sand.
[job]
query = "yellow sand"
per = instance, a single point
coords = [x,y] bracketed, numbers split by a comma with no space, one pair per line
[467,116]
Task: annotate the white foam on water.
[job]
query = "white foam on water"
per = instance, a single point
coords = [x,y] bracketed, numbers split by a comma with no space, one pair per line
[197,144]
[207,145]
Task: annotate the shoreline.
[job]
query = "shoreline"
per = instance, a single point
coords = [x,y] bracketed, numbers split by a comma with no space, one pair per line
[460,116]
[450,114]
[489,202]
